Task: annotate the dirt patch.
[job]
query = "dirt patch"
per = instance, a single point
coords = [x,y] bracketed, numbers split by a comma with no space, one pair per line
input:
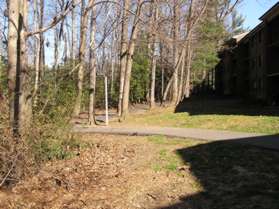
[121,172]
[113,172]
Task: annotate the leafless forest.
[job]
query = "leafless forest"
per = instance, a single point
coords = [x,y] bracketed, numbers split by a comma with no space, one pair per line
[57,56]
[92,38]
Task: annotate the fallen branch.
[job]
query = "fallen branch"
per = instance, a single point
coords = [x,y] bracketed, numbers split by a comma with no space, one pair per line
[9,172]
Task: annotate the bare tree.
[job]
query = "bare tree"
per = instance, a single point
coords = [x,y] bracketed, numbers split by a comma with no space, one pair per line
[130,53]
[39,16]
[123,53]
[153,58]
[74,36]
[13,7]
[83,31]
[176,25]
[20,98]
[92,88]
[171,32]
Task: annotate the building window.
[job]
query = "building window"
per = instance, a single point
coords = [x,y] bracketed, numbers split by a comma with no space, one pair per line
[255,84]
[253,64]
[260,61]
[260,37]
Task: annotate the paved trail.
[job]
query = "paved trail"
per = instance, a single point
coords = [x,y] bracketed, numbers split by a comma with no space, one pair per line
[261,140]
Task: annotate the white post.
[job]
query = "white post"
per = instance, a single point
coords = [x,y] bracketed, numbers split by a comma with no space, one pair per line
[106,98]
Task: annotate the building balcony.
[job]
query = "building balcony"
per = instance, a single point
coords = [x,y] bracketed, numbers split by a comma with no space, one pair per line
[273,69]
[274,44]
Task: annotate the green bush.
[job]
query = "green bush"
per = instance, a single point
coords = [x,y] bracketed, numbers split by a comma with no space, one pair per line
[206,51]
[57,94]
[52,142]
[3,77]
[140,78]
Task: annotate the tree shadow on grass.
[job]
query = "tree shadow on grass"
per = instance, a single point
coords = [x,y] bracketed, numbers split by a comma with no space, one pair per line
[209,105]
[233,175]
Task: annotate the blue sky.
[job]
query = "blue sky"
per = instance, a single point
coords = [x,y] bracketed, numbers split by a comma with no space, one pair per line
[252,10]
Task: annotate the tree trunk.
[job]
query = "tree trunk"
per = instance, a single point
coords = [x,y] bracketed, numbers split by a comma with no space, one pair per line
[19,95]
[181,80]
[25,97]
[39,59]
[123,55]
[190,27]
[153,61]
[113,61]
[167,89]
[92,84]
[153,83]
[13,38]
[187,86]
[162,83]
[162,72]
[176,24]
[65,57]
[83,30]
[131,49]
[56,54]
[170,82]
[74,36]
[191,24]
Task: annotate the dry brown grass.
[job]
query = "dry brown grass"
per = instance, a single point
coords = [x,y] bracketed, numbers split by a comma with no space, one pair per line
[152,172]
[21,157]
[111,172]
[16,160]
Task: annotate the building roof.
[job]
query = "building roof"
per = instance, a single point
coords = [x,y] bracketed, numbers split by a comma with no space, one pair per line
[239,37]
[244,37]
[268,16]
[271,13]
[253,32]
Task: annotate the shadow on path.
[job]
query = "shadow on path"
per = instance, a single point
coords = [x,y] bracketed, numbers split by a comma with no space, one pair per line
[232,175]
[208,105]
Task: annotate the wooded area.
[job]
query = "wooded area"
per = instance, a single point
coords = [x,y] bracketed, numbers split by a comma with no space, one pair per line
[55,56]
[172,43]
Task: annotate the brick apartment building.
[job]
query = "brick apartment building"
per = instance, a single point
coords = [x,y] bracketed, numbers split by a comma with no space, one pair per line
[249,65]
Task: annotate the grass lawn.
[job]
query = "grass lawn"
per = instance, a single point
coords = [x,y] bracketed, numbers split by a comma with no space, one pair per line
[153,172]
[166,118]
[210,117]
